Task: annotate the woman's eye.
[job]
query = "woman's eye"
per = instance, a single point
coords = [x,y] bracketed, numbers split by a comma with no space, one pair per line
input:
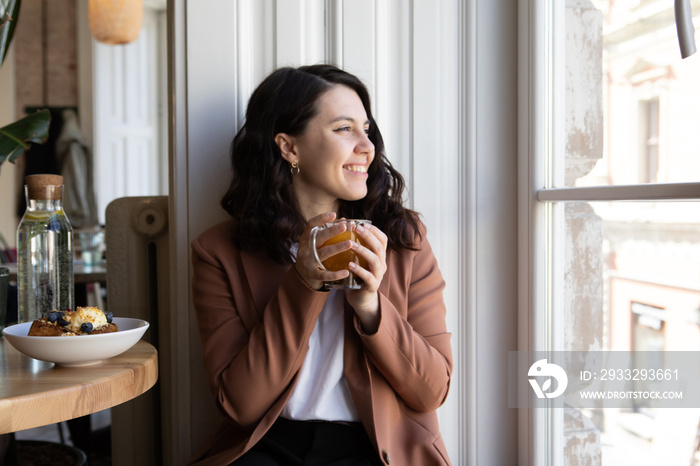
[349,129]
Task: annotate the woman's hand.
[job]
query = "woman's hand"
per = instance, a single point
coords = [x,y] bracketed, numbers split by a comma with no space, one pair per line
[365,301]
[306,264]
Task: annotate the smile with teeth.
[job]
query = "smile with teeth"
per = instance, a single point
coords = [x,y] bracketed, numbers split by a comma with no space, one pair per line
[356,168]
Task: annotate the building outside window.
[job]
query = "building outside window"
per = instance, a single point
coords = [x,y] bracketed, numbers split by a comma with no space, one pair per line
[649,163]
[620,209]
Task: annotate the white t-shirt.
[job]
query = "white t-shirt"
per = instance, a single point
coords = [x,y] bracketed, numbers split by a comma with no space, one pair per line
[321,393]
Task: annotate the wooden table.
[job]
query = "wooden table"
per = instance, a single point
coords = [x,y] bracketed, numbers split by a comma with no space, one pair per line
[35,393]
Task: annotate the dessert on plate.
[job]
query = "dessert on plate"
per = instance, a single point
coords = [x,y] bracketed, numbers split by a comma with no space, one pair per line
[82,321]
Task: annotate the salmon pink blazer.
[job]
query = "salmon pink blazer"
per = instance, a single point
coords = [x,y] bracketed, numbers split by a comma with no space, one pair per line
[255,320]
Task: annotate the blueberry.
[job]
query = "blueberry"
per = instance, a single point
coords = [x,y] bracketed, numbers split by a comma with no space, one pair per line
[109,317]
[61,321]
[54,316]
[86,327]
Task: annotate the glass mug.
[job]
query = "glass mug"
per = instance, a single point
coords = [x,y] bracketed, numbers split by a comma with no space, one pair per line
[341,260]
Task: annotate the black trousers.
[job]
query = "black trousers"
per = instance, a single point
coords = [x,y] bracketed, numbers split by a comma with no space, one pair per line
[310,443]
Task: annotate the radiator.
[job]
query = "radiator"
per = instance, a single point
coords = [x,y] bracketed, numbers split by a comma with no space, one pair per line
[136,236]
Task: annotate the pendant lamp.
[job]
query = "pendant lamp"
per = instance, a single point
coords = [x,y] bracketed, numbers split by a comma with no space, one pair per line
[115,21]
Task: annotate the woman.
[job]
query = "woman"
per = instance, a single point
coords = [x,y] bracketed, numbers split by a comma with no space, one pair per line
[302,375]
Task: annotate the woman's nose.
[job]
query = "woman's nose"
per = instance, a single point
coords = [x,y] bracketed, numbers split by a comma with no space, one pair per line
[365,145]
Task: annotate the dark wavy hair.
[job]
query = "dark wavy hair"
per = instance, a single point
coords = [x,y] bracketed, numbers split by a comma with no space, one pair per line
[261,199]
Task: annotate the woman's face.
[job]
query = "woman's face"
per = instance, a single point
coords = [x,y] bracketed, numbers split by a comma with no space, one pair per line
[334,153]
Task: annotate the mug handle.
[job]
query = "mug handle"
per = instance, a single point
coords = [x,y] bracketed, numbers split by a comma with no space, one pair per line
[312,235]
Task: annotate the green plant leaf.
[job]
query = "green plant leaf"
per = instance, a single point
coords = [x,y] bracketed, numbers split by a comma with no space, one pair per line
[9,12]
[15,138]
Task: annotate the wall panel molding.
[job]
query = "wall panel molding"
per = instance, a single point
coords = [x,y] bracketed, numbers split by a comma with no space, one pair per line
[334,32]
[392,103]
[408,53]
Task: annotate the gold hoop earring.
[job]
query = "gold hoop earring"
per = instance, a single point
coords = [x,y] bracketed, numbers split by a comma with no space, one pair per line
[294,167]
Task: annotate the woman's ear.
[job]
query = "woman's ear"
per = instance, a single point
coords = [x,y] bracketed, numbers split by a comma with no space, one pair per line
[286,145]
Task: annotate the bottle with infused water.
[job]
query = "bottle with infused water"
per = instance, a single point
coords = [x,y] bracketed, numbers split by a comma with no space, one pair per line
[45,250]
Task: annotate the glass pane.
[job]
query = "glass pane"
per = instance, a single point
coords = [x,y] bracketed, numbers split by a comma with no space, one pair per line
[629,280]
[631,104]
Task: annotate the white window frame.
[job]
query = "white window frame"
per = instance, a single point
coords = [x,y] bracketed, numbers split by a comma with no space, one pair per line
[541,23]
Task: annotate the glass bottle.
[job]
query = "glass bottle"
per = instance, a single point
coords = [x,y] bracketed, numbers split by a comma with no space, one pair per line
[45,250]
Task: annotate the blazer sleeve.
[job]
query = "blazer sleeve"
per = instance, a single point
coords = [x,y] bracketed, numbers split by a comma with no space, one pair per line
[250,362]
[411,347]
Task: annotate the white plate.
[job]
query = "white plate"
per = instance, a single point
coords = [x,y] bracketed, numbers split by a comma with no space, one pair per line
[79,350]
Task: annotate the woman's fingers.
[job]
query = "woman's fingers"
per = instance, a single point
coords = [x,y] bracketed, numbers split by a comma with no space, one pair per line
[374,248]
[319,221]
[306,263]
[324,234]
[372,260]
[328,251]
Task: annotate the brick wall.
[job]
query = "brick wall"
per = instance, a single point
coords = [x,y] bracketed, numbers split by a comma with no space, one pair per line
[46,54]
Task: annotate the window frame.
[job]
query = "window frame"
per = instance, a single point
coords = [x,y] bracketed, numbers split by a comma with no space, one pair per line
[540,203]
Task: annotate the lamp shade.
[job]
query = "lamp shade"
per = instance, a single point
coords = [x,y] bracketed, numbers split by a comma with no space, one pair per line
[115,21]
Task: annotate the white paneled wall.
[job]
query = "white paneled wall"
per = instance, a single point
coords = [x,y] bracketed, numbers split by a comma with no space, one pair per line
[408,54]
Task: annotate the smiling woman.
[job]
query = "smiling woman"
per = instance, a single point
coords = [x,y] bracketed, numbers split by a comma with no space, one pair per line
[310,114]
[292,364]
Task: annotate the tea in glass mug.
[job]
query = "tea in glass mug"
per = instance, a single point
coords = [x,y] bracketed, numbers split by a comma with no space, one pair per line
[341,260]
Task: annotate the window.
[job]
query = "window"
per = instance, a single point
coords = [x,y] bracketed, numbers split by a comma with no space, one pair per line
[613,232]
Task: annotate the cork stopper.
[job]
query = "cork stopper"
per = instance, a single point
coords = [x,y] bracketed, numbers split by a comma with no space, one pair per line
[44,186]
